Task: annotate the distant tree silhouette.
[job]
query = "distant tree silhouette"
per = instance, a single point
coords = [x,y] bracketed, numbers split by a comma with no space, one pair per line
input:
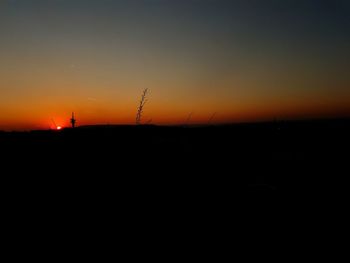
[141,105]
[73,120]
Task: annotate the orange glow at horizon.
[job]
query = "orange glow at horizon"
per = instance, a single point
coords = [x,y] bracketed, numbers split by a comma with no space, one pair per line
[243,61]
[165,114]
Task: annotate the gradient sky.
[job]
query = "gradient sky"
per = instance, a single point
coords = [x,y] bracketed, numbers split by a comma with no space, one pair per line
[246,60]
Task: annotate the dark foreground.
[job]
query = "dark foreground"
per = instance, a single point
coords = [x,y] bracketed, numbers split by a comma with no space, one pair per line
[94,184]
[144,170]
[266,158]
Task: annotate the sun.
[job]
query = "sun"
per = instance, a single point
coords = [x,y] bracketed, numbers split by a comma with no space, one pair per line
[59,127]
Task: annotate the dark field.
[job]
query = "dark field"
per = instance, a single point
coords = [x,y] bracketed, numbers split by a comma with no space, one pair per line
[94,184]
[265,158]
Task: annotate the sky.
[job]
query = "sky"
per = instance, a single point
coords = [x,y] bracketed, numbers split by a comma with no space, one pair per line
[245,60]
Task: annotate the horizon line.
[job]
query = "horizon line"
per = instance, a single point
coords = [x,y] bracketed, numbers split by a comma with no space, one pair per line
[275,120]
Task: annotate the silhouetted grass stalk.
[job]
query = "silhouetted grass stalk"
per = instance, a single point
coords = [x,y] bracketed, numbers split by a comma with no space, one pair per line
[141,105]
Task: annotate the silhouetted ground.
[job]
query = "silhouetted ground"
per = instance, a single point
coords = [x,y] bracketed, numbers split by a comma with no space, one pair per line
[192,177]
[273,158]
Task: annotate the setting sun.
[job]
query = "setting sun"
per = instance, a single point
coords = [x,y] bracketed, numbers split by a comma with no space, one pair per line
[59,127]
[248,61]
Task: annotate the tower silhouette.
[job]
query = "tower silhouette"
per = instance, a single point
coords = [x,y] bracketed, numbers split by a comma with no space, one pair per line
[73,120]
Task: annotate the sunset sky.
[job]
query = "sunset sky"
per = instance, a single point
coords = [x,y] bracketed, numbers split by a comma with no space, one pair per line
[246,60]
